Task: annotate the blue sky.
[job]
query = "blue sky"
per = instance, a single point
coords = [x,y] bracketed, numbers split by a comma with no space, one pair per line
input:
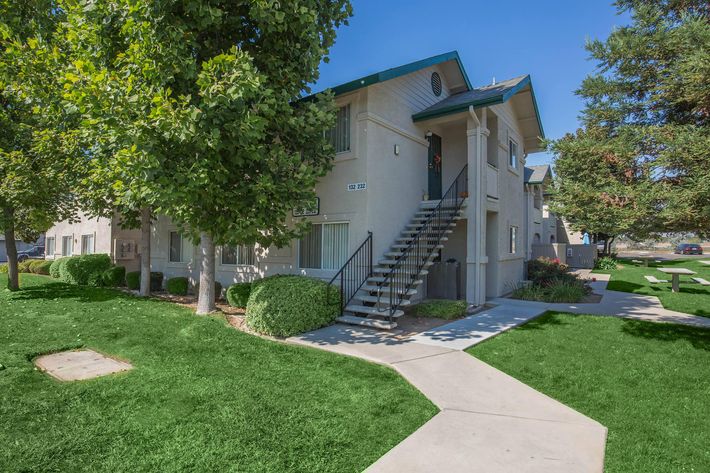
[543,38]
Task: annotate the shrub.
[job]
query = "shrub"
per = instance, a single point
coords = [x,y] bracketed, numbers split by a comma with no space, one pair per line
[441,308]
[55,270]
[238,294]
[41,267]
[177,286]
[114,277]
[529,293]
[85,270]
[544,271]
[565,291]
[606,263]
[3,268]
[24,266]
[217,289]
[133,280]
[286,305]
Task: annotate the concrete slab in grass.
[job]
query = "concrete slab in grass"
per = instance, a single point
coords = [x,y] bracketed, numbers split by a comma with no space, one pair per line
[78,365]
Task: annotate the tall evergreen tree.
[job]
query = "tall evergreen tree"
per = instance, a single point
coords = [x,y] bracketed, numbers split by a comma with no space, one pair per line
[648,109]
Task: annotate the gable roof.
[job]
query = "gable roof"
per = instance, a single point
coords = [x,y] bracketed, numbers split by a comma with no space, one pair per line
[492,94]
[403,70]
[537,174]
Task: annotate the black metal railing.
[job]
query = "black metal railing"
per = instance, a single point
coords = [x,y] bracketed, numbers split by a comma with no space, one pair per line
[404,273]
[354,273]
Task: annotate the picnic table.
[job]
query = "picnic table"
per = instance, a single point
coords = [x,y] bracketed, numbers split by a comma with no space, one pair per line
[675,273]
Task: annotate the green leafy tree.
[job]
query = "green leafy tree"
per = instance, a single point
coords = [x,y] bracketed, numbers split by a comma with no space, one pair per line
[38,147]
[648,109]
[211,93]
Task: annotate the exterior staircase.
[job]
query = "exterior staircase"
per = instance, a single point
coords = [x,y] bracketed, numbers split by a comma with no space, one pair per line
[389,286]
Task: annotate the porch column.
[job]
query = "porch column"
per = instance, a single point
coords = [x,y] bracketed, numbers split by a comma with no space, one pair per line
[475,213]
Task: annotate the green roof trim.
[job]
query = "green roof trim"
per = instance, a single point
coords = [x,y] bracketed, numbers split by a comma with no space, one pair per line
[398,72]
[487,100]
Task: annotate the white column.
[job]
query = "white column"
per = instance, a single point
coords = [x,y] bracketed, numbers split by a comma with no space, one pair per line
[475,213]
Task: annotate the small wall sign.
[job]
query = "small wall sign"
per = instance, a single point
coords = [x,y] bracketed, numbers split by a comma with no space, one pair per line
[308,211]
[357,186]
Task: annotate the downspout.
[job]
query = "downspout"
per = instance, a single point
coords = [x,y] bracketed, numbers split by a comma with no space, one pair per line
[478,217]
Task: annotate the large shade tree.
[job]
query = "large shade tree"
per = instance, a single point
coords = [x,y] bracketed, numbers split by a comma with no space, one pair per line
[39,148]
[219,124]
[645,126]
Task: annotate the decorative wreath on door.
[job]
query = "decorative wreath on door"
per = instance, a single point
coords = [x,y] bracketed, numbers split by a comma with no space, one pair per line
[437,163]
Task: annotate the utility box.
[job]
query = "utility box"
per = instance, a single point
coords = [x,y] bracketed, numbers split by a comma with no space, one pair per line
[444,281]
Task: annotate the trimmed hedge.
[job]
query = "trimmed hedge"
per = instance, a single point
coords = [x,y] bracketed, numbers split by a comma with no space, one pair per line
[286,305]
[3,268]
[177,286]
[85,270]
[41,267]
[55,270]
[133,280]
[238,294]
[24,266]
[114,277]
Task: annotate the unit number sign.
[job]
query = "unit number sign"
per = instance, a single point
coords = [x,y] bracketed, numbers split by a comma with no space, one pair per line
[357,186]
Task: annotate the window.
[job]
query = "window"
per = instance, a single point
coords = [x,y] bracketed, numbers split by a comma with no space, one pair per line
[325,247]
[242,254]
[66,245]
[87,244]
[513,239]
[180,248]
[339,135]
[50,244]
[513,154]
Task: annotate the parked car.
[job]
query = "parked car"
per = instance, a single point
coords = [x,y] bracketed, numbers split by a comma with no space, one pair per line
[688,249]
[36,252]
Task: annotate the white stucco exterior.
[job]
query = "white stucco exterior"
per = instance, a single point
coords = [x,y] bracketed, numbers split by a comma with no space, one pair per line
[389,153]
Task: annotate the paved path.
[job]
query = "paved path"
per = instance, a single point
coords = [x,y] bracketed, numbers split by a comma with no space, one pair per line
[489,422]
[617,304]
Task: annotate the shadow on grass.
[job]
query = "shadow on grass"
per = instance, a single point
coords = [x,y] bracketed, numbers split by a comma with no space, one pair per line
[59,290]
[545,320]
[697,337]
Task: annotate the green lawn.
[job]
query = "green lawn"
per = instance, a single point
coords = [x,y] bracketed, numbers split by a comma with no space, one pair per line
[202,396]
[648,383]
[693,298]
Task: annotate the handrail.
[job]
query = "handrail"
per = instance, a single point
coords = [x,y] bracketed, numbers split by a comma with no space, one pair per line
[354,273]
[404,272]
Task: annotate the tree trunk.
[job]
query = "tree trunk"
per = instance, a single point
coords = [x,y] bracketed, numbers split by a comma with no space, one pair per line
[205,300]
[13,280]
[145,252]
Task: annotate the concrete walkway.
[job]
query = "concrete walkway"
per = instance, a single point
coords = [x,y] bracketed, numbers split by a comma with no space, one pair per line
[615,304]
[489,422]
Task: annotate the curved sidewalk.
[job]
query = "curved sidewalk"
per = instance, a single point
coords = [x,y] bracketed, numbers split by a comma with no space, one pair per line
[489,422]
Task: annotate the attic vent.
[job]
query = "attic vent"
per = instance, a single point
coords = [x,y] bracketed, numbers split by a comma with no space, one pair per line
[436,83]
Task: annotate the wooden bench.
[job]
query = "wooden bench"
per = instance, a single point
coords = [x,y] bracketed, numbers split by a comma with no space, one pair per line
[701,281]
[653,280]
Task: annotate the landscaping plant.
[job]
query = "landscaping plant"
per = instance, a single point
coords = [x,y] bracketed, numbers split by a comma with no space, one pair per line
[114,277]
[85,270]
[238,294]
[286,305]
[551,281]
[441,308]
[177,286]
[606,263]
[133,280]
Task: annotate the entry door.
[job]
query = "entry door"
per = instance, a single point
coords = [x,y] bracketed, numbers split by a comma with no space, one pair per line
[435,166]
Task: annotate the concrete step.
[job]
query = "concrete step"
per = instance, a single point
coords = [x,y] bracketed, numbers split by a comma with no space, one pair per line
[414,232]
[380,280]
[410,238]
[398,254]
[421,224]
[383,301]
[363,309]
[384,289]
[402,246]
[423,272]
[365,322]
[392,262]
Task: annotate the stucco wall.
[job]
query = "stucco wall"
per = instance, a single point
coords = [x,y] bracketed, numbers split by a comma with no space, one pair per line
[100,228]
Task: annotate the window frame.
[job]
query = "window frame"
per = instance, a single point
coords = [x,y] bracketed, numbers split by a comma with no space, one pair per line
[70,239]
[331,134]
[240,248]
[93,244]
[321,268]
[181,248]
[513,163]
[513,239]
[47,246]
